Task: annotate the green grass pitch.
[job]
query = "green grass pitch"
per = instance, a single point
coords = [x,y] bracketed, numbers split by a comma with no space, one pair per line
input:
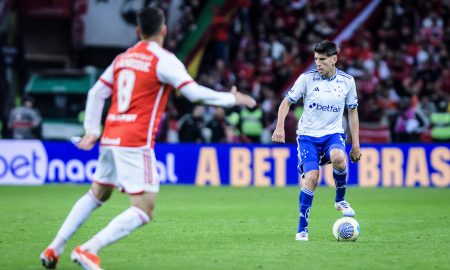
[237,228]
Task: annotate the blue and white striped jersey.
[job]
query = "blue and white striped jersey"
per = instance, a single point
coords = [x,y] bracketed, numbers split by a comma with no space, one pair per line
[324,100]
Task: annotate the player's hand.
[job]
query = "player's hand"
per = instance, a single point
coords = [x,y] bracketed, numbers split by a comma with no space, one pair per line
[278,135]
[355,154]
[242,99]
[87,142]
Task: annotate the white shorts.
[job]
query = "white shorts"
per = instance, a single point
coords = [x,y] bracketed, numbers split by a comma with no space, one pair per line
[132,170]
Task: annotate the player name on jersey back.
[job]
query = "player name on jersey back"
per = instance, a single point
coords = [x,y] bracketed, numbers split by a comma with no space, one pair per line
[137,61]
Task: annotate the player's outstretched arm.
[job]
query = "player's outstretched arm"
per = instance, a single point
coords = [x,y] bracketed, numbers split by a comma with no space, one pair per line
[242,99]
[278,134]
[171,71]
[197,93]
[355,153]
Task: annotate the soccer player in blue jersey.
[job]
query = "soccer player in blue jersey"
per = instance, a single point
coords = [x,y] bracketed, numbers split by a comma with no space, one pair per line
[326,91]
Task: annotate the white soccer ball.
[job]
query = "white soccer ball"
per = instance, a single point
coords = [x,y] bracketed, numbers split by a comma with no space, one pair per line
[346,229]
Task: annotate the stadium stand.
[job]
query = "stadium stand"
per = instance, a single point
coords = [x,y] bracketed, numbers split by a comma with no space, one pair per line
[398,57]
[392,64]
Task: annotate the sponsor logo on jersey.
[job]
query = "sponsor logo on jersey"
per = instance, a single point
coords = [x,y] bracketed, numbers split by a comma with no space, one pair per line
[133,63]
[122,117]
[316,89]
[111,141]
[325,108]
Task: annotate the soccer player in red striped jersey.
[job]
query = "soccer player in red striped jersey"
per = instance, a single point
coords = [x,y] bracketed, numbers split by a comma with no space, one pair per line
[139,82]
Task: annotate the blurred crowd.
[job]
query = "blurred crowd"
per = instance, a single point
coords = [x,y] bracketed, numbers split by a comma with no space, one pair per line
[399,60]
[258,50]
[402,70]
[190,12]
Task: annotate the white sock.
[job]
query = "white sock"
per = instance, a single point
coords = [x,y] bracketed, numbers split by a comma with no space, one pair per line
[77,216]
[121,226]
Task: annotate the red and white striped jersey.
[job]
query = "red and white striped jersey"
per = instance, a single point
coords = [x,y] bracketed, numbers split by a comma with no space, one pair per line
[140,81]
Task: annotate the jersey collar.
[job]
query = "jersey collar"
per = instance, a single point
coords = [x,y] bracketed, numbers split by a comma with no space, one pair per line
[332,78]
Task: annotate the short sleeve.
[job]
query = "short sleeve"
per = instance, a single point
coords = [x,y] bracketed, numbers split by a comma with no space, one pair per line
[171,71]
[298,90]
[352,97]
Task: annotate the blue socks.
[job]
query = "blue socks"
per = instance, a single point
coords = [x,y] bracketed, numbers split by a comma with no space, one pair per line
[306,197]
[340,178]
[305,202]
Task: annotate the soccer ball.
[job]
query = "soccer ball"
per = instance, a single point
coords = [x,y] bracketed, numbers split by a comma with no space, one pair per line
[346,229]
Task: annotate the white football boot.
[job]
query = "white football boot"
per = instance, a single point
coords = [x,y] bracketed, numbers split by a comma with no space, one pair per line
[345,208]
[301,236]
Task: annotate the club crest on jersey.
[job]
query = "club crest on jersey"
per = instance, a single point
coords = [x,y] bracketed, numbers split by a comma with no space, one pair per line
[325,108]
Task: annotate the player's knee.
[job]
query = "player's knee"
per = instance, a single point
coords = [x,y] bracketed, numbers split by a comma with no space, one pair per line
[338,160]
[312,176]
[105,196]
[311,180]
[145,202]
[102,193]
[310,184]
[313,185]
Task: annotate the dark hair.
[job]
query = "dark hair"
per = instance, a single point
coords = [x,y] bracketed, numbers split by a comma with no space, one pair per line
[326,47]
[26,99]
[150,20]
